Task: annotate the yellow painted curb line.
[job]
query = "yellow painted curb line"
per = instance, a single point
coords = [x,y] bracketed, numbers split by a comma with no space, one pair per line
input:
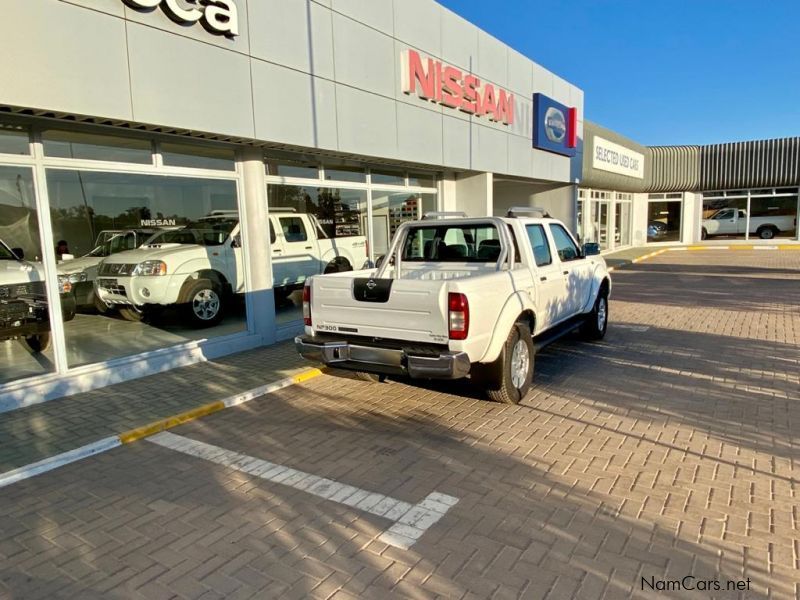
[789,247]
[208,409]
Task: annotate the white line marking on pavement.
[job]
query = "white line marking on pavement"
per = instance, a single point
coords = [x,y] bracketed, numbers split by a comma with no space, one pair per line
[59,460]
[636,328]
[411,521]
[765,248]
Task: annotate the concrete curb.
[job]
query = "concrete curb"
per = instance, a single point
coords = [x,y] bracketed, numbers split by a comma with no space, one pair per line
[59,460]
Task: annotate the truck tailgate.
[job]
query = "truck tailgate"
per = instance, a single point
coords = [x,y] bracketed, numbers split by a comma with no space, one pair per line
[413,310]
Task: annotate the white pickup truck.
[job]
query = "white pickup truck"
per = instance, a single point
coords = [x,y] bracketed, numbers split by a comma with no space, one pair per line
[457,297]
[733,221]
[199,266]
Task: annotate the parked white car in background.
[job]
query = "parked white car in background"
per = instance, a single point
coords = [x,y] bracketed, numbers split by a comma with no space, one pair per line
[733,221]
[457,297]
[199,266]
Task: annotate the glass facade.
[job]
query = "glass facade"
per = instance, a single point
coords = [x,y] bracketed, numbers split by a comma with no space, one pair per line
[342,220]
[664,217]
[142,244]
[605,217]
[25,340]
[750,214]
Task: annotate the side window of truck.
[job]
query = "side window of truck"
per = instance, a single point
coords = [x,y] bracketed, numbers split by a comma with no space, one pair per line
[567,250]
[294,230]
[541,249]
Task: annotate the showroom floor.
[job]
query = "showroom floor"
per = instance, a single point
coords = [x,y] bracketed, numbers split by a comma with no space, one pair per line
[667,451]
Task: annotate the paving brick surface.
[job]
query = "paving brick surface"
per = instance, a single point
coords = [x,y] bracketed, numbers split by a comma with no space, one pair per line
[669,449]
[31,434]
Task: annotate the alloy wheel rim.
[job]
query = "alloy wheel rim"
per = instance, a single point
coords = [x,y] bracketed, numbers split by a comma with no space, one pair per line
[205,304]
[520,363]
[602,314]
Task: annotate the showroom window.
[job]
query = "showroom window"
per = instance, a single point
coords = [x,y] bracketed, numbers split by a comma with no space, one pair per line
[664,218]
[25,348]
[750,214]
[605,217]
[353,211]
[108,196]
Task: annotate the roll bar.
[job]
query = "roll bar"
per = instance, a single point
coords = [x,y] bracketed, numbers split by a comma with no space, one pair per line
[444,215]
[507,253]
[515,211]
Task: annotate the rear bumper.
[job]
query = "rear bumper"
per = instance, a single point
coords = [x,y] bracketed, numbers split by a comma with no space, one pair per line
[384,361]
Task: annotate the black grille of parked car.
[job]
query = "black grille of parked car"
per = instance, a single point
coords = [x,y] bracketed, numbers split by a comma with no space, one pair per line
[116,269]
[13,311]
[20,290]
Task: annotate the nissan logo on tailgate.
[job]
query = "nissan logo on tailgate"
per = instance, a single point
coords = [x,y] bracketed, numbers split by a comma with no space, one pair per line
[371,285]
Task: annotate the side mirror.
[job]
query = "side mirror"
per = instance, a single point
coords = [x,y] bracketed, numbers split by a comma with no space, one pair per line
[591,249]
[18,252]
[236,242]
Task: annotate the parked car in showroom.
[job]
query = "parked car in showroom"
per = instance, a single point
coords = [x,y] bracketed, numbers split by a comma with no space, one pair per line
[24,311]
[457,297]
[199,266]
[733,221]
[82,271]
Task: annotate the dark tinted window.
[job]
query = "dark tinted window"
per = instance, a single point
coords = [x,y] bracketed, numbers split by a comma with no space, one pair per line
[541,249]
[566,247]
[452,243]
[294,230]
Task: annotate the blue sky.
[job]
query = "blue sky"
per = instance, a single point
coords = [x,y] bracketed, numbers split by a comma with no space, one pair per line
[664,71]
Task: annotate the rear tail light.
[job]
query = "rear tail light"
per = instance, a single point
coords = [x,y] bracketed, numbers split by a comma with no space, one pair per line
[307,303]
[458,309]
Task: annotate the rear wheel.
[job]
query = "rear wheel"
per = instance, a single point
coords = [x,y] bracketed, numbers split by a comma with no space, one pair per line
[508,379]
[704,234]
[766,232]
[596,322]
[338,265]
[36,343]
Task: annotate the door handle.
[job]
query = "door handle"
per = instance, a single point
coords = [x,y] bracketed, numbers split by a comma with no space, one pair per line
[309,247]
[542,278]
[566,272]
[277,251]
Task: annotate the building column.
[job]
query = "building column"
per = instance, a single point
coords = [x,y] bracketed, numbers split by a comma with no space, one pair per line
[256,245]
[474,194]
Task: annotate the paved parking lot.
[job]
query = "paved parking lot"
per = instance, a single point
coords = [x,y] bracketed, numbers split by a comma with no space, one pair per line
[668,450]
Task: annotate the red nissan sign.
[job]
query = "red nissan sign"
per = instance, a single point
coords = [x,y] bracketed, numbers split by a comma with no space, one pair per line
[438,82]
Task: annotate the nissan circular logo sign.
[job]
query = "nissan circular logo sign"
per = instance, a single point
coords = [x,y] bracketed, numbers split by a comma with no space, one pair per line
[555,125]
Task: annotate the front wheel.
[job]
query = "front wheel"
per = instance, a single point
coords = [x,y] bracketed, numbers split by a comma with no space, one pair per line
[596,322]
[508,379]
[205,306]
[131,313]
[36,343]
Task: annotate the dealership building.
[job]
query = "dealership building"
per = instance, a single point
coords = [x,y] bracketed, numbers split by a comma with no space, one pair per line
[286,126]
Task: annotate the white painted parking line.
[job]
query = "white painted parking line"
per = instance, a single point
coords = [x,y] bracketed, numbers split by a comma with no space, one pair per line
[636,328]
[410,521]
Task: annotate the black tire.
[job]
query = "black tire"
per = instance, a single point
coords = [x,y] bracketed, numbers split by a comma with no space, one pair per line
[338,265]
[704,234]
[497,379]
[595,324]
[370,377]
[129,313]
[766,232]
[36,343]
[205,303]
[101,307]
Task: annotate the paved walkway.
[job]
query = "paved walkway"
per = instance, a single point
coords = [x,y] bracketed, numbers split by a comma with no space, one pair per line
[667,451]
[31,434]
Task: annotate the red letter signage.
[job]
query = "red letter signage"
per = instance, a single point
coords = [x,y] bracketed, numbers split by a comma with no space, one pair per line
[447,85]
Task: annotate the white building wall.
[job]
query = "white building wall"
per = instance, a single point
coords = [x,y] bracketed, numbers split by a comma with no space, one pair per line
[312,73]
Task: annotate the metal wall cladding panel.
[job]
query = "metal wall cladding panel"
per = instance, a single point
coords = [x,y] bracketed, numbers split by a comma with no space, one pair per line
[672,169]
[762,163]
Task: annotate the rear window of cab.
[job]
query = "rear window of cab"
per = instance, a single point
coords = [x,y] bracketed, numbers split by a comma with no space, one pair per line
[452,243]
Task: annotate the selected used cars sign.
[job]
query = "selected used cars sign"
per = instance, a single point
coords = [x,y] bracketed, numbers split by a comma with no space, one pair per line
[608,156]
